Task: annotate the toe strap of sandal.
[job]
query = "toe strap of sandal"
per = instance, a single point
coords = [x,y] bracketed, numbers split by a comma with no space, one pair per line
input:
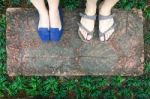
[103,34]
[101,17]
[88,32]
[88,17]
[112,27]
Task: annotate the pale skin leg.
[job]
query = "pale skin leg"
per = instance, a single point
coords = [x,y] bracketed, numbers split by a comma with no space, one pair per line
[43,13]
[89,24]
[54,14]
[104,25]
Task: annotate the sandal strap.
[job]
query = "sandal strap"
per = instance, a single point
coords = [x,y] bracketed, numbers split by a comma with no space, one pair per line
[101,17]
[103,34]
[88,32]
[88,17]
[113,26]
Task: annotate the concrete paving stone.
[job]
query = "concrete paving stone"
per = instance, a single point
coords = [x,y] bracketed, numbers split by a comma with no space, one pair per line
[122,54]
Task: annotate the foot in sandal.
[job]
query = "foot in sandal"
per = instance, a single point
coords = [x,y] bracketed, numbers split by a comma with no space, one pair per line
[106,20]
[86,27]
[106,26]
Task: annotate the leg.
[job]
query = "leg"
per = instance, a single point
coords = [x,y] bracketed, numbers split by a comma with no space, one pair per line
[107,6]
[43,13]
[105,10]
[89,24]
[54,14]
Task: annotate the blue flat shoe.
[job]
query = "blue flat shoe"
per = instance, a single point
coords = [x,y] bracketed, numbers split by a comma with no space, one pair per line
[55,33]
[44,34]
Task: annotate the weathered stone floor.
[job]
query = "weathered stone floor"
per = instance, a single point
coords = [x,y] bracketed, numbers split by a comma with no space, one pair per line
[123,54]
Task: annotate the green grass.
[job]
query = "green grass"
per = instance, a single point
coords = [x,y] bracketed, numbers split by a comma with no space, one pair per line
[147,38]
[80,87]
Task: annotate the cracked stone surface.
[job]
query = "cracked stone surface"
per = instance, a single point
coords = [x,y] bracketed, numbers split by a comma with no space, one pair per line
[123,54]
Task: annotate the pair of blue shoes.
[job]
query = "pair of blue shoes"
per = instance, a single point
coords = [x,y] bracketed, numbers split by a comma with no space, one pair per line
[52,34]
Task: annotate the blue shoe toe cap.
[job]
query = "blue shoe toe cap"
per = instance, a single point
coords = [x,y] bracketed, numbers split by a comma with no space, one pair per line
[44,34]
[55,34]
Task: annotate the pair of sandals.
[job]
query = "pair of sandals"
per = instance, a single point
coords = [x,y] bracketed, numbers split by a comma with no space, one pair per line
[91,32]
[52,34]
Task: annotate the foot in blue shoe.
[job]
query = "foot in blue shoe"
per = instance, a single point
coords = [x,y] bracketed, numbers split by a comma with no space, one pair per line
[56,33]
[43,26]
[44,34]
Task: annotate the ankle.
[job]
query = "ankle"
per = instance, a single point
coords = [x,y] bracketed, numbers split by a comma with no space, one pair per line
[53,9]
[105,12]
[90,12]
[43,13]
[54,12]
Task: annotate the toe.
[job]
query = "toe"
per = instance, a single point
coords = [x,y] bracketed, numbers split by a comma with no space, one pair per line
[102,38]
[89,37]
[83,33]
[108,34]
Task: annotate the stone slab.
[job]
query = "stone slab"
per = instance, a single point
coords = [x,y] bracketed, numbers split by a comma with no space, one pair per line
[122,55]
